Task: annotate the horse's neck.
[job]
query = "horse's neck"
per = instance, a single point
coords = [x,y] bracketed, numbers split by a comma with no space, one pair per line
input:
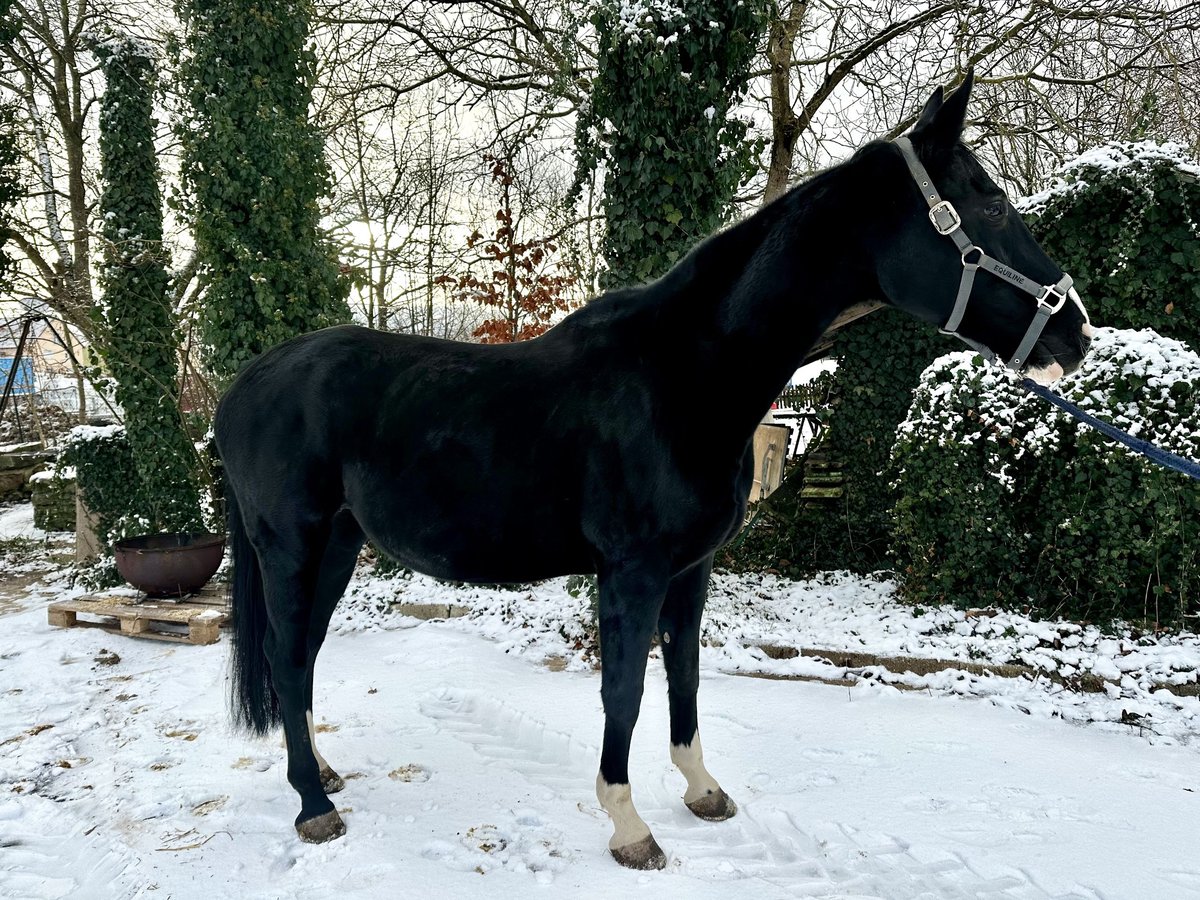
[767,289]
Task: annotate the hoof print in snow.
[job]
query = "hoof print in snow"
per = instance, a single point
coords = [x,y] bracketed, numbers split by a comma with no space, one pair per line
[715,806]
[203,809]
[644,854]
[331,781]
[411,773]
[322,828]
[106,658]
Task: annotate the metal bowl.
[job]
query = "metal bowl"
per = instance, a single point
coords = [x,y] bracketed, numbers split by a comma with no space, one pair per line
[169,565]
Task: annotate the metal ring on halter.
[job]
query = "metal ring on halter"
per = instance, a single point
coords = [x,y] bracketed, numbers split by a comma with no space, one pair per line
[972,265]
[1050,290]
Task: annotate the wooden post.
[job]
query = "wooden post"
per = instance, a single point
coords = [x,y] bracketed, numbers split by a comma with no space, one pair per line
[87,544]
[770,453]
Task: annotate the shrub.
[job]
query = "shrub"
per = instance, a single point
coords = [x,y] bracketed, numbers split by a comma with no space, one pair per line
[107,479]
[1122,219]
[1005,500]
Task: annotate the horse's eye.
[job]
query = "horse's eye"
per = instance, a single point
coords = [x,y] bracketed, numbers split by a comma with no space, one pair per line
[994,210]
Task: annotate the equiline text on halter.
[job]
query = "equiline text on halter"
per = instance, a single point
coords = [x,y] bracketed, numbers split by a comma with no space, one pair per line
[1050,298]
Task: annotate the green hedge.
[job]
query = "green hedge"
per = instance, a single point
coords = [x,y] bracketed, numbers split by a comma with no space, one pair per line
[1006,501]
[107,478]
[1124,220]
[879,360]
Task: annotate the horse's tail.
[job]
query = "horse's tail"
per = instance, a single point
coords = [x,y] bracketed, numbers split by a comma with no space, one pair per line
[253,702]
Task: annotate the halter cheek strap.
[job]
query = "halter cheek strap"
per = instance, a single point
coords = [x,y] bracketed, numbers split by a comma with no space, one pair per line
[946,221]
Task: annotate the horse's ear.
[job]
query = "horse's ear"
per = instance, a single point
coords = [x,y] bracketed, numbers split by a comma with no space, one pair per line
[941,121]
[932,105]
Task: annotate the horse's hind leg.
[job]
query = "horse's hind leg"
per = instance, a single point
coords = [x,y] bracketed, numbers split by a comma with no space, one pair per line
[679,629]
[630,600]
[337,565]
[290,564]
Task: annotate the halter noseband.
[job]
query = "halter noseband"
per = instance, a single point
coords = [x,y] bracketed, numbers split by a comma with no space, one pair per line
[946,220]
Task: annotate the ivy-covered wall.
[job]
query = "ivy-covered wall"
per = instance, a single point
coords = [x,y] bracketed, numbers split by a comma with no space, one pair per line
[661,127]
[254,172]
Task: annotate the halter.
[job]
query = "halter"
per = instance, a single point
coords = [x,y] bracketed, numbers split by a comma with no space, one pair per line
[946,220]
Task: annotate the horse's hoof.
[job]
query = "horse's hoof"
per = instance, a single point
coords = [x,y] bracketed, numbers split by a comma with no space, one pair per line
[331,781]
[322,828]
[643,854]
[715,806]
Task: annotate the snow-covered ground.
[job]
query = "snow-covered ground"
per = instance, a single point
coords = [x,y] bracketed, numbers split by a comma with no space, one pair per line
[470,762]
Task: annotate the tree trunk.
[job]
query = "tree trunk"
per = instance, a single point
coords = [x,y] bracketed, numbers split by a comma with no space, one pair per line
[781,43]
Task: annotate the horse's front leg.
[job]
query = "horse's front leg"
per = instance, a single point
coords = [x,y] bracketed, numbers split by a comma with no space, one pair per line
[679,631]
[630,600]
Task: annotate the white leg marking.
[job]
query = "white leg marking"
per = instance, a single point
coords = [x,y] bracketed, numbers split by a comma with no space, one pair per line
[617,800]
[312,739]
[1088,331]
[690,760]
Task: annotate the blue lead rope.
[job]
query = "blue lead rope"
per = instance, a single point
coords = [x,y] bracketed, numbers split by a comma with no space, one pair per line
[1160,456]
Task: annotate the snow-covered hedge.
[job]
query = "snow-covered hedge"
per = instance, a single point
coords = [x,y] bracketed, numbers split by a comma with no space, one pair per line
[1006,500]
[1122,220]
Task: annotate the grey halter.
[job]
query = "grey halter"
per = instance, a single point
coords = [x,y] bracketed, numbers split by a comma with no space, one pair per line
[945,219]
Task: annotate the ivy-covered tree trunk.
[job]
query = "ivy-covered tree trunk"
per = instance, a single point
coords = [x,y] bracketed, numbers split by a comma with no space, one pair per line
[254,168]
[141,350]
[10,181]
[660,125]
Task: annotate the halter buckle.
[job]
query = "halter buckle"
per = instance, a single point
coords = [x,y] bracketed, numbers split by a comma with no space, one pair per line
[945,217]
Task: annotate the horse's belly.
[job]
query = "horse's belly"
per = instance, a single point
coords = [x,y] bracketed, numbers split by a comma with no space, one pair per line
[482,539]
[479,560]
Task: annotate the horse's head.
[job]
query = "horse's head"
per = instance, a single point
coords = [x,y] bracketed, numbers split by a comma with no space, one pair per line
[958,255]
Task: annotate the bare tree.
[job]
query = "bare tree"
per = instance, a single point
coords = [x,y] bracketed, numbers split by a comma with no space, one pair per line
[408,120]
[1053,77]
[46,66]
[483,46]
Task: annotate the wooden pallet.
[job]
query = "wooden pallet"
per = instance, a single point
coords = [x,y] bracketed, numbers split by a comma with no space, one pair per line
[156,619]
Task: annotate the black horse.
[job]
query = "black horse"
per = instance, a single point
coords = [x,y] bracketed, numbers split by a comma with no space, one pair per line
[619,442]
